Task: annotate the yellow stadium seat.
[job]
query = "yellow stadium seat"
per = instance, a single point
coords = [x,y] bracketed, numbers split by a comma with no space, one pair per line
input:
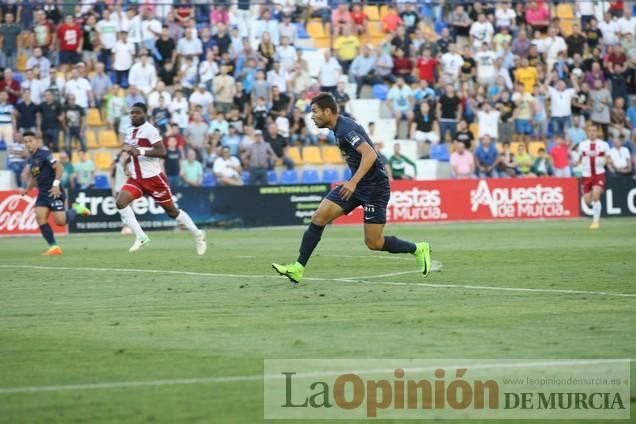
[372,12]
[474,128]
[514,147]
[534,146]
[93,118]
[75,159]
[566,27]
[91,140]
[312,155]
[383,11]
[499,147]
[294,153]
[108,139]
[332,155]
[565,11]
[316,30]
[56,155]
[375,30]
[103,160]
[21,62]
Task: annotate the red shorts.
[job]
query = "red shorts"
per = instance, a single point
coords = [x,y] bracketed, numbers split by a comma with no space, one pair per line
[594,180]
[156,187]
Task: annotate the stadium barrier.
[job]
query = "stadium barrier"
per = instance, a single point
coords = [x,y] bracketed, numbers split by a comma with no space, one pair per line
[619,198]
[479,199]
[17,214]
[223,207]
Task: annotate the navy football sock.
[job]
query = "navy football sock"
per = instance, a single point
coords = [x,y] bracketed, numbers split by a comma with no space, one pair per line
[395,245]
[311,238]
[47,233]
[70,215]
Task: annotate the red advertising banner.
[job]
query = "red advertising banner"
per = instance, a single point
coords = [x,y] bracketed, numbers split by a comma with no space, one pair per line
[17,214]
[487,199]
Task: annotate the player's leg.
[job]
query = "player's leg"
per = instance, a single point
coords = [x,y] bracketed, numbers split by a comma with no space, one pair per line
[595,201]
[330,208]
[42,218]
[67,216]
[374,238]
[184,219]
[126,196]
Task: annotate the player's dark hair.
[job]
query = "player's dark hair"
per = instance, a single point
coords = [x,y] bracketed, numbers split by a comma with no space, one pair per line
[28,134]
[324,101]
[141,106]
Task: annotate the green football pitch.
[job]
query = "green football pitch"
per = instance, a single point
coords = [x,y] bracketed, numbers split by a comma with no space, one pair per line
[101,335]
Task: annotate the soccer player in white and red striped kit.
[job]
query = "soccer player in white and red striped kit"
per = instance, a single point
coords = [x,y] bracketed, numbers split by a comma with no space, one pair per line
[145,146]
[593,156]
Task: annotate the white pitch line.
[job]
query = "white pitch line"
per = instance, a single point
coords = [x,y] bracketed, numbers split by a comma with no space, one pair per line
[389,283]
[259,377]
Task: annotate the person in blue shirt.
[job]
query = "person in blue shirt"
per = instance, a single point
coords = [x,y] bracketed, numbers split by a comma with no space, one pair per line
[487,158]
[46,174]
[368,187]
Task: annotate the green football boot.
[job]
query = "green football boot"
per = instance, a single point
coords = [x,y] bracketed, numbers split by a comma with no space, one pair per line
[294,271]
[81,210]
[423,257]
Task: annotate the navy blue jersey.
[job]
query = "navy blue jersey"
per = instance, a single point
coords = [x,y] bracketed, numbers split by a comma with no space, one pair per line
[41,163]
[349,135]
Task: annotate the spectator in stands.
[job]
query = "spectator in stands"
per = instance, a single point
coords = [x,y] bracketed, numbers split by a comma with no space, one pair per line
[541,166]
[462,162]
[488,120]
[71,40]
[26,114]
[507,162]
[538,16]
[267,50]
[80,89]
[524,160]
[448,111]
[400,103]
[197,136]
[51,117]
[7,118]
[287,29]
[179,110]
[227,169]
[16,158]
[123,53]
[172,163]
[560,155]
[165,47]
[363,69]
[41,62]
[426,67]
[258,157]
[424,129]
[68,176]
[403,67]
[10,86]
[346,48]
[560,105]
[159,91]
[143,75]
[9,32]
[74,125]
[487,158]
[464,135]
[320,9]
[224,90]
[601,100]
[161,117]
[43,32]
[191,170]
[576,133]
[219,123]
[279,146]
[621,163]
[189,47]
[84,170]
[329,73]
[359,19]
[391,20]
[383,65]
[397,163]
[201,97]
[100,85]
[481,32]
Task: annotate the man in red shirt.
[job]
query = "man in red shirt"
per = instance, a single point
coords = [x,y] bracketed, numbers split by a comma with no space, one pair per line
[560,157]
[71,41]
[403,66]
[426,66]
[11,86]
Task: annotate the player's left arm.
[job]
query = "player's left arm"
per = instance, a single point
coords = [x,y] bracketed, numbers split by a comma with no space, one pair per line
[158,150]
[369,157]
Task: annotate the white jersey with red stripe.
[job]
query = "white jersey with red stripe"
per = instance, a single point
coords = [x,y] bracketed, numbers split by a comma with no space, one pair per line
[143,137]
[593,154]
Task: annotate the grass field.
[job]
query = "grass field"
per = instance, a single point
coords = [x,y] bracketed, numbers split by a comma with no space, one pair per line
[102,319]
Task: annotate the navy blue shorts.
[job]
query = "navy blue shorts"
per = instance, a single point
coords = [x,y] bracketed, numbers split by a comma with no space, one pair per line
[374,201]
[46,201]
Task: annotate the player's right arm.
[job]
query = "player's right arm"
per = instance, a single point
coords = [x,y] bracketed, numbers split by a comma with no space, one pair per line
[30,184]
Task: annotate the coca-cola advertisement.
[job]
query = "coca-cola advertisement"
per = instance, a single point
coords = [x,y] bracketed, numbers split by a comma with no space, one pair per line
[478,199]
[17,214]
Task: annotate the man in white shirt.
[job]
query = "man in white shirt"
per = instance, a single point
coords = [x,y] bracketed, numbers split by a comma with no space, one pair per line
[201,97]
[560,106]
[189,46]
[553,45]
[488,120]
[288,29]
[627,24]
[485,58]
[329,73]
[150,29]
[227,169]
[35,86]
[131,23]
[123,54]
[609,28]
[80,88]
[143,75]
[286,54]
[400,102]
[451,65]
[266,24]
[107,28]
[481,31]
[593,156]
[158,92]
[621,163]
[505,16]
[278,77]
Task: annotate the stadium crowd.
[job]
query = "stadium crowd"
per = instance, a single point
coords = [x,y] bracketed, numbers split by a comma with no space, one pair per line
[494,88]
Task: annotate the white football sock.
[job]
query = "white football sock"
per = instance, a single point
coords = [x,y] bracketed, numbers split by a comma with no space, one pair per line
[184,219]
[596,211]
[128,218]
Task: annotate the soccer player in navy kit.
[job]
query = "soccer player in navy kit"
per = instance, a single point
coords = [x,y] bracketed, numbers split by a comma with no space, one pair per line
[46,173]
[368,187]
